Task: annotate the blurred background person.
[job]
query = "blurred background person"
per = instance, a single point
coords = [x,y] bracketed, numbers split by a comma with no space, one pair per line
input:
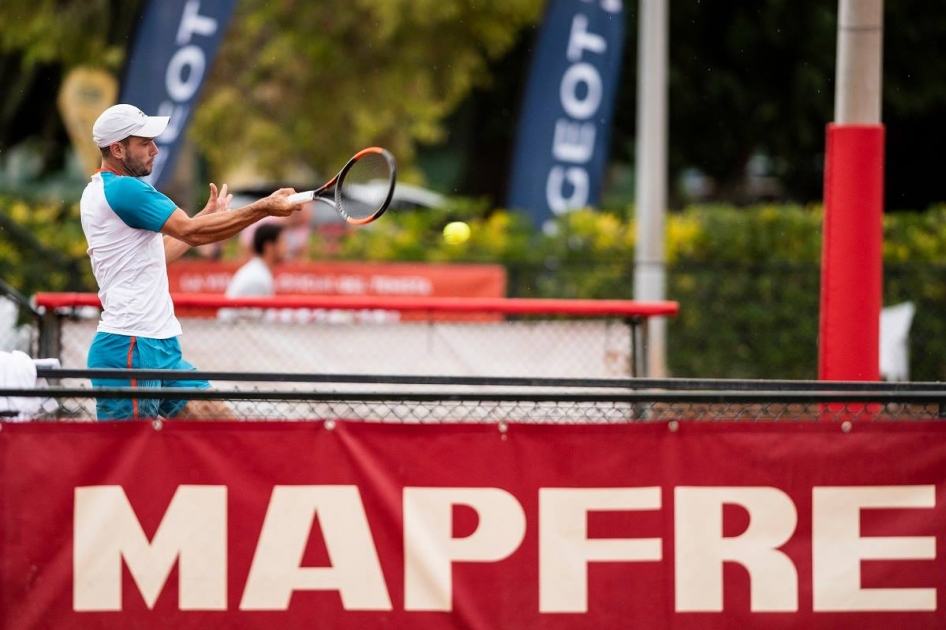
[296,232]
[256,277]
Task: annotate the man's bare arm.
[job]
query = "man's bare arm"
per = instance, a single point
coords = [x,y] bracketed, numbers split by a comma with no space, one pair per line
[173,248]
[210,228]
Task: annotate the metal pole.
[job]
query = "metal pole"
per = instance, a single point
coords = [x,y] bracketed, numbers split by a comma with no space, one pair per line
[651,173]
[857,97]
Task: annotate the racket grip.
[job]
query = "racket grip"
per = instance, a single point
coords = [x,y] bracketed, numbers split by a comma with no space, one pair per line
[301,197]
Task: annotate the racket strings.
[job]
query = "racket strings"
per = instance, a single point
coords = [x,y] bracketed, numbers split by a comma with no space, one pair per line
[365,187]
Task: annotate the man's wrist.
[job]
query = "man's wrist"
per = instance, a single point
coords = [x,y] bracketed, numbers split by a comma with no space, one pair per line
[260,209]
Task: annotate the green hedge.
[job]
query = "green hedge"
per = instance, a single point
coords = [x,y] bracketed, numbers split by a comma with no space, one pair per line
[747,279]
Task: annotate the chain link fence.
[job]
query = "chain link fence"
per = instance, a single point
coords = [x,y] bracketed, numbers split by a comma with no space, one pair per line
[741,319]
[368,365]
[524,347]
[338,335]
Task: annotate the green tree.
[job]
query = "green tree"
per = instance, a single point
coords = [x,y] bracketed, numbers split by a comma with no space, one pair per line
[294,82]
[312,82]
[40,40]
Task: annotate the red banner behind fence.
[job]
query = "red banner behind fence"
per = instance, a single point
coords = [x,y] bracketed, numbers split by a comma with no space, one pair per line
[351,278]
[296,525]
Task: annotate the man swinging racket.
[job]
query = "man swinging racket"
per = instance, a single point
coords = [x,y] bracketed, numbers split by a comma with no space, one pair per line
[133,232]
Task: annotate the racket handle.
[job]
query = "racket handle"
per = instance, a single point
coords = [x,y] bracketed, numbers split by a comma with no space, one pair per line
[301,197]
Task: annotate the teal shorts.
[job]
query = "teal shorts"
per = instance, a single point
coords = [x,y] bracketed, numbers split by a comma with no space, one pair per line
[109,350]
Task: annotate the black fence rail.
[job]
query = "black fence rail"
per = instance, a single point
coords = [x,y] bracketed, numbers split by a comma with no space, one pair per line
[437,399]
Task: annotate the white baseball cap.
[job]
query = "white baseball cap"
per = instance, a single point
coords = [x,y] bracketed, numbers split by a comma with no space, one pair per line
[121,121]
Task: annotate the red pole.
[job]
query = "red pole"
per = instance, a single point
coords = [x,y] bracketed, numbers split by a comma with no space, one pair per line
[851,260]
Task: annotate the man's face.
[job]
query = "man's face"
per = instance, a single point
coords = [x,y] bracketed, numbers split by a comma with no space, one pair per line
[139,154]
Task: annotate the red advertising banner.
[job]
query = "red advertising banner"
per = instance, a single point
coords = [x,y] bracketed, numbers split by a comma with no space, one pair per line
[353,525]
[351,278]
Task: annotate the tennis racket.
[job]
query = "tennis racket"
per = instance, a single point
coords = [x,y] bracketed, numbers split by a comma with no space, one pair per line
[362,190]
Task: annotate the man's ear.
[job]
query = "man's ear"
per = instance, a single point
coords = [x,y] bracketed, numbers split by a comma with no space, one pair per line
[117,149]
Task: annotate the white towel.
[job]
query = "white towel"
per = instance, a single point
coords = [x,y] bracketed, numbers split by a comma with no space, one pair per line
[895,324]
[18,371]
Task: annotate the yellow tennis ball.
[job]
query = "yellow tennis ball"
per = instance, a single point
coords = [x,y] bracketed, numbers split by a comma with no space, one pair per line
[456,232]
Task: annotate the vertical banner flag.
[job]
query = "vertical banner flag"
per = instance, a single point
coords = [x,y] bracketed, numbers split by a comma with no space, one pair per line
[564,129]
[174,46]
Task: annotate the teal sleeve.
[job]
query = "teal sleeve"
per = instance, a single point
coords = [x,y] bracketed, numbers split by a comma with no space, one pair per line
[138,203]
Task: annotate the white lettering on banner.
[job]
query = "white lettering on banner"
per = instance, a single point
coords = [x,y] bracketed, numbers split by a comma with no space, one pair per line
[580,40]
[192,22]
[838,549]
[406,285]
[287,282]
[351,285]
[430,548]
[573,142]
[565,549]
[177,115]
[581,92]
[577,105]
[183,76]
[701,549]
[192,533]
[198,283]
[276,572]
[293,282]
[185,72]
[611,6]
[577,178]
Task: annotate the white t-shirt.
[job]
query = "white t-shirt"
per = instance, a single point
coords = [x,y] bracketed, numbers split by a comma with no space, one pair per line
[122,218]
[253,279]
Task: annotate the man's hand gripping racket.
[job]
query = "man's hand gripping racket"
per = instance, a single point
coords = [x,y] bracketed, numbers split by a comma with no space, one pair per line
[362,190]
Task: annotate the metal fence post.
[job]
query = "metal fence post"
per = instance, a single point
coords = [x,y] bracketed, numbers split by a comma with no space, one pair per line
[50,334]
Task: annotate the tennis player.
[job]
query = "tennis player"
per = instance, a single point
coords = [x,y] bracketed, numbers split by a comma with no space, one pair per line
[133,232]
